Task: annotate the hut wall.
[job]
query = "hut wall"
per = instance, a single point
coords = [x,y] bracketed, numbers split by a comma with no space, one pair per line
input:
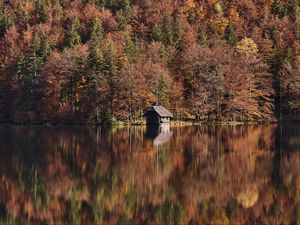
[153,118]
[165,120]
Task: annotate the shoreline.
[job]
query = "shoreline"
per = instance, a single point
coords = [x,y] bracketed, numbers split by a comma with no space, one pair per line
[178,123]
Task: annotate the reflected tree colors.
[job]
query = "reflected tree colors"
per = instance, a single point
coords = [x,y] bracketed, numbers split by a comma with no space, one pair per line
[154,175]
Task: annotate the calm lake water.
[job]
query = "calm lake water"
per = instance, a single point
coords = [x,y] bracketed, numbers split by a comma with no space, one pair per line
[156,175]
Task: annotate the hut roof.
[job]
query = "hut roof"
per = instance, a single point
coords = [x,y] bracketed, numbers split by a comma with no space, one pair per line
[160,110]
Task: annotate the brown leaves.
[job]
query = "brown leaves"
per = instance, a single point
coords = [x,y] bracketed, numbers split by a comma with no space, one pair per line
[201,71]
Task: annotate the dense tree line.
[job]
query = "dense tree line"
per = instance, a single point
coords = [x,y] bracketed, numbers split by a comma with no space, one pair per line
[101,60]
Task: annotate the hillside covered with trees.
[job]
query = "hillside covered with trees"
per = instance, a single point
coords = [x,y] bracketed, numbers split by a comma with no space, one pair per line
[73,61]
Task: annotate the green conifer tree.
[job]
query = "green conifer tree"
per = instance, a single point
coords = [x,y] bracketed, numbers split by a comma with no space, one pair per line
[162,91]
[111,71]
[73,32]
[132,48]
[96,31]
[202,38]
[7,19]
[230,34]
[167,30]
[111,67]
[29,71]
[157,32]
[41,11]
[124,15]
[95,49]
[297,19]
[279,8]
[177,31]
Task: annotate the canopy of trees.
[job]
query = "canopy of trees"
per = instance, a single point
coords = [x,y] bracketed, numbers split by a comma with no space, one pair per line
[87,60]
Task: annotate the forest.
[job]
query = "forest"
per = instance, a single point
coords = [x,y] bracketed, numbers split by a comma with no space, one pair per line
[82,61]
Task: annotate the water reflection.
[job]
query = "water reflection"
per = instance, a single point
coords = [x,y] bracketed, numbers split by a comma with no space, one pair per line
[200,175]
[160,134]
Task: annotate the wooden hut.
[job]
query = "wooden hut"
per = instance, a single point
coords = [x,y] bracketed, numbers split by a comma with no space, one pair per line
[158,115]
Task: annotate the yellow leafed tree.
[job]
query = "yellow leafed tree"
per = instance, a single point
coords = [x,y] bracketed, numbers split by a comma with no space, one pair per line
[219,25]
[247,46]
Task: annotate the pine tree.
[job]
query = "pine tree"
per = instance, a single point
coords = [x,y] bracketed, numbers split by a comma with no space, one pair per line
[29,71]
[162,91]
[230,34]
[202,38]
[57,9]
[279,8]
[35,62]
[96,57]
[73,32]
[26,83]
[111,70]
[167,30]
[177,31]
[157,32]
[7,19]
[21,66]
[95,74]
[297,19]
[111,67]
[41,11]
[132,48]
[124,14]
[96,31]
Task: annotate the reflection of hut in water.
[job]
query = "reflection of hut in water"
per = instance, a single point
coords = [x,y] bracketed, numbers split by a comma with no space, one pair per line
[160,134]
[158,115]
[164,136]
[152,131]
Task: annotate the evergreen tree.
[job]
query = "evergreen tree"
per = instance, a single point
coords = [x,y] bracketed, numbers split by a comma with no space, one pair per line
[26,84]
[157,32]
[279,8]
[124,14]
[170,32]
[177,31]
[29,70]
[57,9]
[95,49]
[45,48]
[110,4]
[73,32]
[21,66]
[111,65]
[111,70]
[230,34]
[41,11]
[162,91]
[132,48]
[167,30]
[75,82]
[95,65]
[7,19]
[96,31]
[297,19]
[202,38]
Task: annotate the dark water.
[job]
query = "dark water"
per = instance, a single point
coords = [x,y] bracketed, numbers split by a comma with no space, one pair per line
[139,175]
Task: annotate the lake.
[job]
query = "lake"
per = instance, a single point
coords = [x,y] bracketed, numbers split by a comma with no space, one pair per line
[150,175]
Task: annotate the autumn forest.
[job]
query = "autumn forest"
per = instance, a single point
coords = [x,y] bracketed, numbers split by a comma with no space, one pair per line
[214,60]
